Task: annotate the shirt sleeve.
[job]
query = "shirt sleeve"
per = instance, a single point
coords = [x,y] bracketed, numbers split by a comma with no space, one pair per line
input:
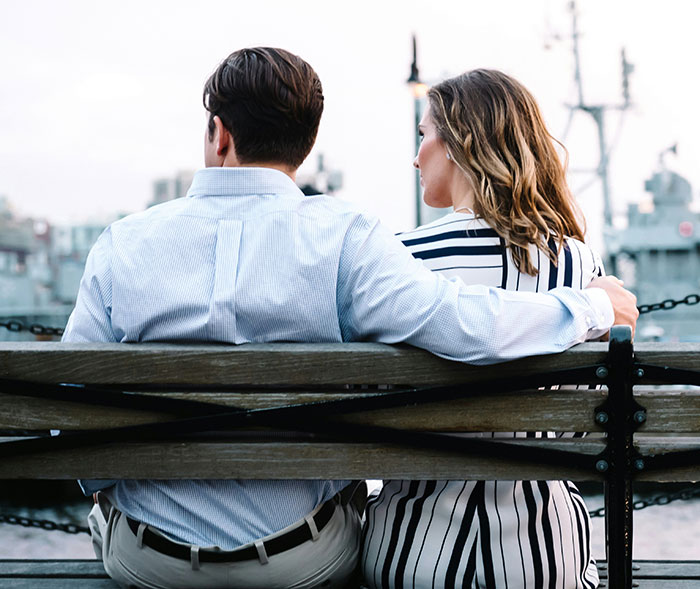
[90,320]
[598,270]
[386,295]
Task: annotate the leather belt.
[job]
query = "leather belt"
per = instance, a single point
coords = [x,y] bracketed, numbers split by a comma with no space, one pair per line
[287,541]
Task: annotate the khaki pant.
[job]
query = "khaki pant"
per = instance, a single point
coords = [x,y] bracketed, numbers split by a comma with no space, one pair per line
[329,561]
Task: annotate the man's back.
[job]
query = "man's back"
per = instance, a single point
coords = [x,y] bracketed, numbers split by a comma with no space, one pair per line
[228,263]
[244,257]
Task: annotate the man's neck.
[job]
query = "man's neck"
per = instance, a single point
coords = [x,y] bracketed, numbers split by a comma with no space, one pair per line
[285,169]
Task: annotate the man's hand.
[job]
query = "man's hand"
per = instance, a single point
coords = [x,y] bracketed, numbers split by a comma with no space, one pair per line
[623,301]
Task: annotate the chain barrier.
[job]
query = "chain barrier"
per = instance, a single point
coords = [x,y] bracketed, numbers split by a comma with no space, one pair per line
[43,524]
[692,299]
[683,495]
[35,328]
[17,326]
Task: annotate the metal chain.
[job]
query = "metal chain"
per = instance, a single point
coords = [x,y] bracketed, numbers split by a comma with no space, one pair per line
[692,299]
[43,524]
[17,326]
[37,329]
[683,494]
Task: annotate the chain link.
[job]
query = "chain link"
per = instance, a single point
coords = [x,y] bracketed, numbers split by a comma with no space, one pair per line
[17,326]
[691,299]
[683,495]
[43,524]
[35,328]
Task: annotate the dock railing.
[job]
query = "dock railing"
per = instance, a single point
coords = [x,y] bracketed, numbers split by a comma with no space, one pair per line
[355,410]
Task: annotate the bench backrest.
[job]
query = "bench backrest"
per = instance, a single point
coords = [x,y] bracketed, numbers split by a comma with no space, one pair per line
[377,428]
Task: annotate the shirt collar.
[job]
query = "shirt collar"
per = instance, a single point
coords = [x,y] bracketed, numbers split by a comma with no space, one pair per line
[241,182]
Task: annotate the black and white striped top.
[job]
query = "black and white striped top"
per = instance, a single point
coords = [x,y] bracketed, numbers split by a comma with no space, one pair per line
[459,245]
[517,534]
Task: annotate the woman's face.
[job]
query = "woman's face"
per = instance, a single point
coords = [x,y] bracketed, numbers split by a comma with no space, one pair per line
[436,170]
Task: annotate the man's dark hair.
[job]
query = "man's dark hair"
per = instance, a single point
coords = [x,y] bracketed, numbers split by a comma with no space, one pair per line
[270,101]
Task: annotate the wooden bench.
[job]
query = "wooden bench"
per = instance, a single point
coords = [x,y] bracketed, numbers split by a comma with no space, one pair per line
[357,410]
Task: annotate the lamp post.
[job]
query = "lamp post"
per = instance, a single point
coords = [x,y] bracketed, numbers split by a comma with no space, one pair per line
[419,90]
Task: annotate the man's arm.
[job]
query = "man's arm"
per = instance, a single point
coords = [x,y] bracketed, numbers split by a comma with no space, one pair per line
[90,320]
[386,295]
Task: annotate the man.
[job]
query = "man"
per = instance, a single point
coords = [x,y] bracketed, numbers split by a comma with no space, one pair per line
[246,257]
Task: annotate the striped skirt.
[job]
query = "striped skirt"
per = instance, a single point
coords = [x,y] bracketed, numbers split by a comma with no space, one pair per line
[494,534]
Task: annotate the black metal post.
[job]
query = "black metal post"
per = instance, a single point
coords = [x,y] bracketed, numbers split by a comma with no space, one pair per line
[620,416]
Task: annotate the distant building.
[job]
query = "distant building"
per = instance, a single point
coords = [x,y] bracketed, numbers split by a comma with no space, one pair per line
[166,189]
[40,269]
[16,247]
[69,249]
[321,181]
[659,257]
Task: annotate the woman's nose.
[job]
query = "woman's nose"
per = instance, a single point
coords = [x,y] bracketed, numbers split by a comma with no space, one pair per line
[415,163]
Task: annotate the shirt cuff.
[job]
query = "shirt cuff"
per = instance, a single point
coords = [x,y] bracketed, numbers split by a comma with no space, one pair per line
[601,317]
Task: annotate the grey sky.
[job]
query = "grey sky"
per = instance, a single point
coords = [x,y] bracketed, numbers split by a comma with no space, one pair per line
[100,98]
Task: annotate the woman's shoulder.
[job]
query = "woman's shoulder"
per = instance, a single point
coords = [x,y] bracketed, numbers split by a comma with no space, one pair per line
[454,224]
[584,250]
[583,259]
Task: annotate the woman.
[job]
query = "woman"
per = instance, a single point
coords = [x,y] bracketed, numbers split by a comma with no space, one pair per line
[487,153]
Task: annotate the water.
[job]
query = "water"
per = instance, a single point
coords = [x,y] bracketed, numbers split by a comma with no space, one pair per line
[665,532]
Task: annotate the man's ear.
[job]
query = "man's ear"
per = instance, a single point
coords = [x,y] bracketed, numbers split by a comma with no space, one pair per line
[222,138]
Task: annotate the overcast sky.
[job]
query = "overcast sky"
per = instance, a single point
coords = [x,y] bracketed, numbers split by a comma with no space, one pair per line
[101,98]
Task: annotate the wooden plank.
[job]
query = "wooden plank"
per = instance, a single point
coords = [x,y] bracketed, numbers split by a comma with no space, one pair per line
[290,364]
[674,355]
[668,410]
[262,364]
[659,569]
[56,583]
[62,574]
[318,460]
[54,574]
[282,460]
[522,411]
[73,568]
[660,584]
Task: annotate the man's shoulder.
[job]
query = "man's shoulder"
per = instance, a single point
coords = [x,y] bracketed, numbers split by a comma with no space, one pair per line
[322,205]
[159,211]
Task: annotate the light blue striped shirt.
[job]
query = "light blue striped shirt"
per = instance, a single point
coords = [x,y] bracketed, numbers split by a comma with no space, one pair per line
[246,257]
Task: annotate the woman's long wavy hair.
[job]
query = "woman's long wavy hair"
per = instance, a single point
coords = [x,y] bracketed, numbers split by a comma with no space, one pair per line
[495,133]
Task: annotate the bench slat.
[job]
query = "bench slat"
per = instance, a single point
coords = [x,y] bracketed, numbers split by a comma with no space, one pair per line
[564,410]
[262,364]
[291,364]
[659,569]
[73,568]
[89,574]
[316,460]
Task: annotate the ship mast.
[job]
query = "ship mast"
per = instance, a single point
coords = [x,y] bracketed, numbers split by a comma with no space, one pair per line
[597,112]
